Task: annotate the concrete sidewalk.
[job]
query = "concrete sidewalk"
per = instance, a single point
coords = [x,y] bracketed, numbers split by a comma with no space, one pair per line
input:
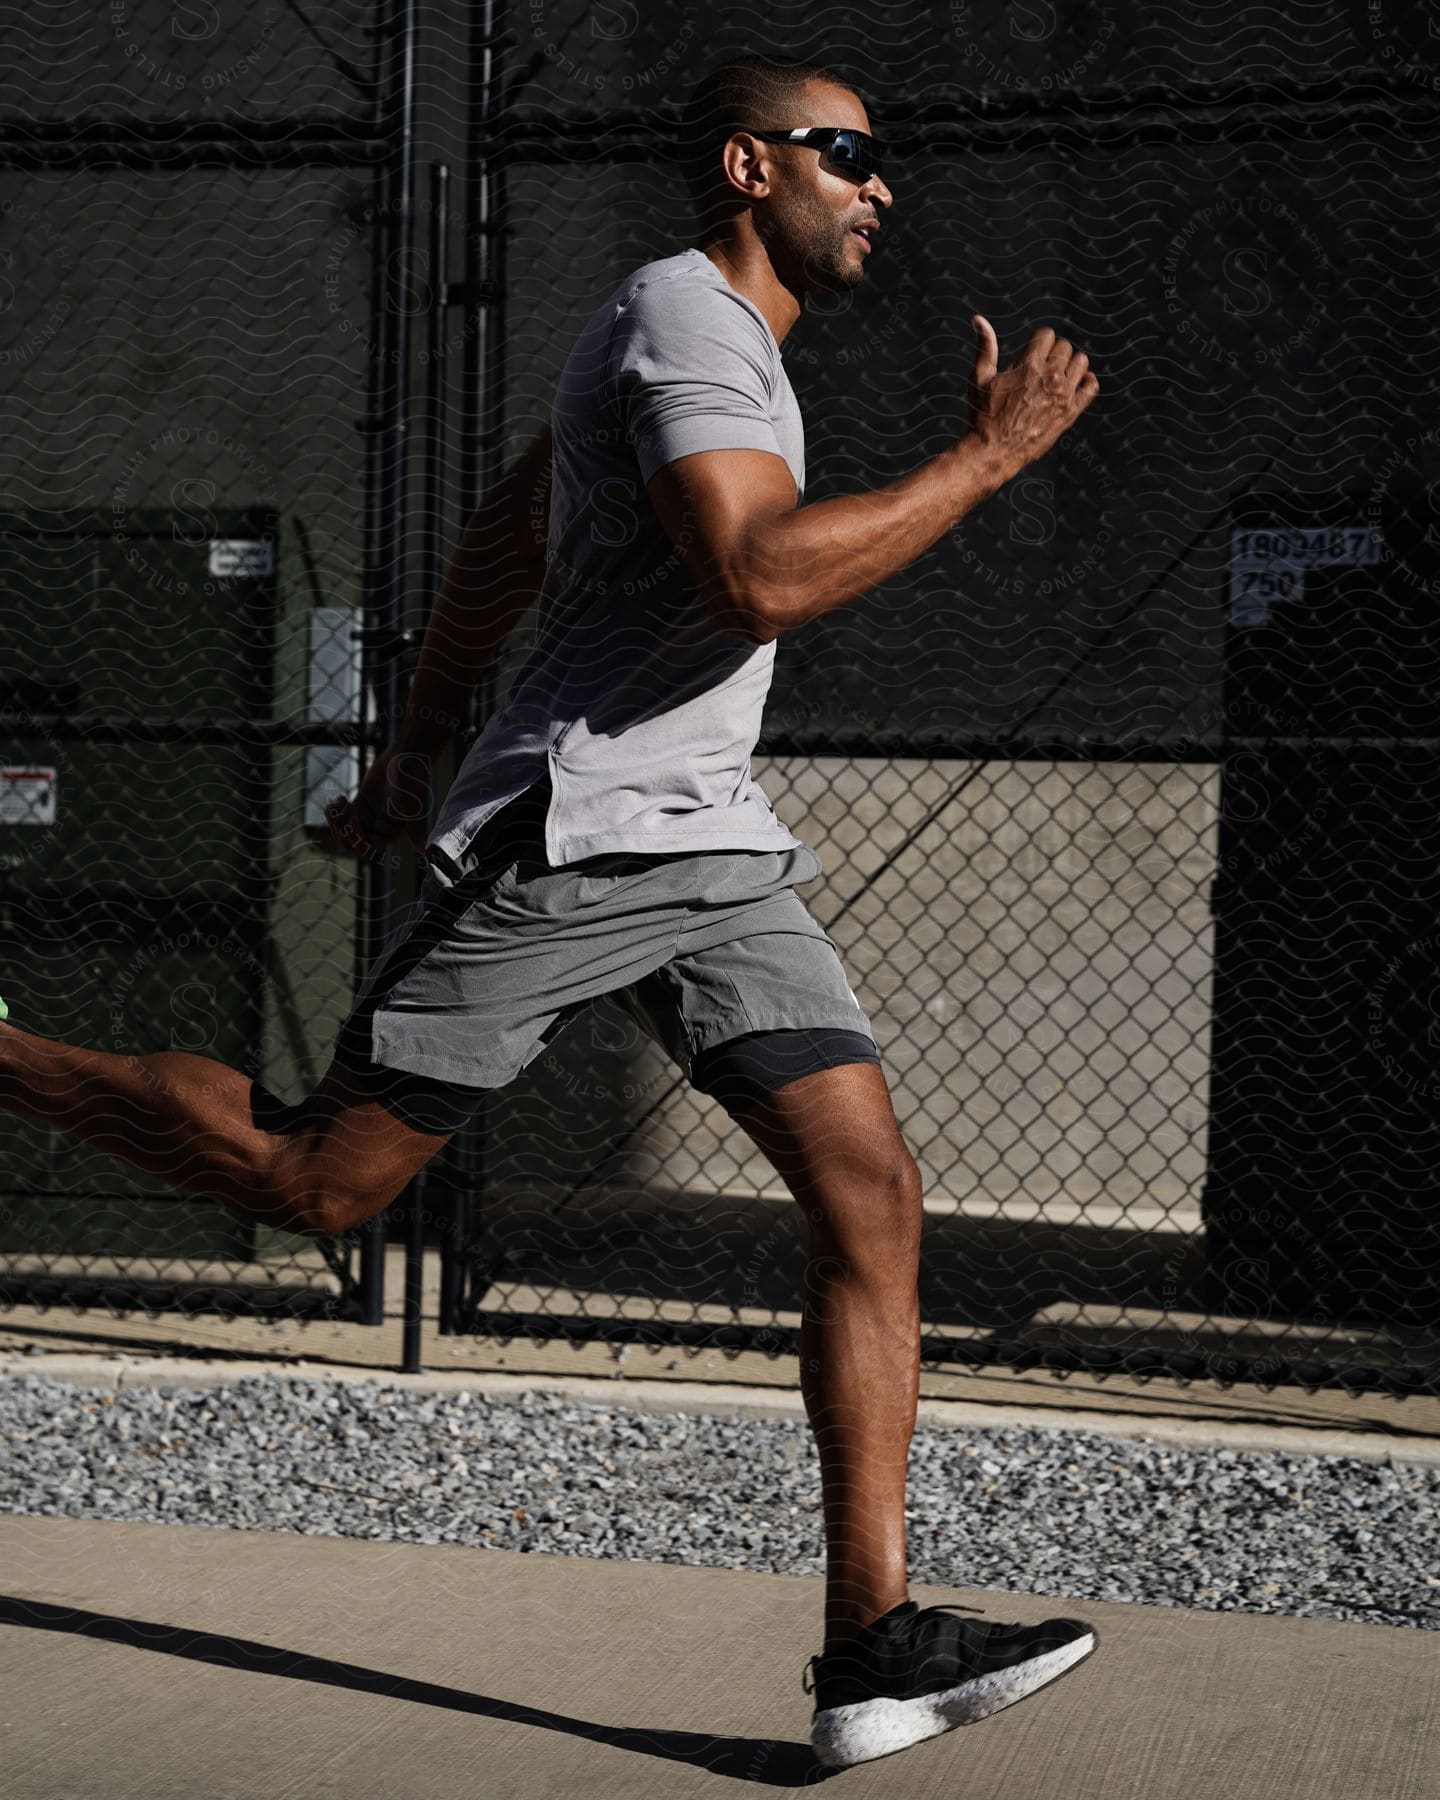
[145,1662]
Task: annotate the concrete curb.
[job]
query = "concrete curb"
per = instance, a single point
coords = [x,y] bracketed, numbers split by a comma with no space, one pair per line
[639,1395]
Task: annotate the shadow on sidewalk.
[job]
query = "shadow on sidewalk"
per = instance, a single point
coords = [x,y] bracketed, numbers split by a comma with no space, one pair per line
[773,1762]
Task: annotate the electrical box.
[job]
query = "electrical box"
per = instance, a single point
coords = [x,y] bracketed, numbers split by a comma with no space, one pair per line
[134,863]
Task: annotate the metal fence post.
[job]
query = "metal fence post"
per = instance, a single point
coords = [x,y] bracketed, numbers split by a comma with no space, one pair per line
[480,417]
[432,539]
[385,609]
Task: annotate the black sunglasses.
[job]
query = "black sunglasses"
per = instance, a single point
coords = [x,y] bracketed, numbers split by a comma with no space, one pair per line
[852,152]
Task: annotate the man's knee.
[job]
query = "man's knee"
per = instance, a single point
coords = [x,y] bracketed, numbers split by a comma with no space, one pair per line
[905,1188]
[314,1188]
[908,1183]
[338,1157]
[872,1211]
[320,1196]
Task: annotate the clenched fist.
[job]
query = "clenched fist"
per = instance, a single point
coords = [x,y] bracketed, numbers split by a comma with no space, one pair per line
[1021,413]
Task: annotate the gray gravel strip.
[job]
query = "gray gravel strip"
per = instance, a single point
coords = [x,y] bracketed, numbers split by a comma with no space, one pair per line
[1075,1514]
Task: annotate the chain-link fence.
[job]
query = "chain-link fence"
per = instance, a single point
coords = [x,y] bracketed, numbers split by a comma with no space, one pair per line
[188,242]
[1125,793]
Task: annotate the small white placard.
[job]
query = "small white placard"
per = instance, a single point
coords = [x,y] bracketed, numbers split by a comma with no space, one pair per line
[27,796]
[242,559]
[1269,562]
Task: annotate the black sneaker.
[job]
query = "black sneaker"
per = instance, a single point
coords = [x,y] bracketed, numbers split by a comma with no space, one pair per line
[911,1675]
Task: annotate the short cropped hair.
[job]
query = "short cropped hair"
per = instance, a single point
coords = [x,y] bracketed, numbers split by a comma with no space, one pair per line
[751,93]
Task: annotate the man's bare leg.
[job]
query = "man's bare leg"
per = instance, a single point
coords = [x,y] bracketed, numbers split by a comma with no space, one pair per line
[322,1166]
[832,1136]
[834,1139]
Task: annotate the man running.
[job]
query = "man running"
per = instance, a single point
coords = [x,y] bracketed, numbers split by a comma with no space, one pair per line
[604,836]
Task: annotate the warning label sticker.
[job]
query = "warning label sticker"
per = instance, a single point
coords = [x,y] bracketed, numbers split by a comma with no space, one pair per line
[27,796]
[242,559]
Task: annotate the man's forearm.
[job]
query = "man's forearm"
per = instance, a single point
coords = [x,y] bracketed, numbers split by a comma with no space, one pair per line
[493,577]
[818,557]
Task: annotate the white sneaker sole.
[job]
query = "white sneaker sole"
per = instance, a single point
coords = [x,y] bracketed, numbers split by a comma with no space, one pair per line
[846,1735]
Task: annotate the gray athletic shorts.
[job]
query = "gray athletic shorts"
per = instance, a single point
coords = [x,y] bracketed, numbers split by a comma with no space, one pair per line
[712,954]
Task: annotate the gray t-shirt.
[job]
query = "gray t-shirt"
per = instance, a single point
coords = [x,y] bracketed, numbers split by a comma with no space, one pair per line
[641,706]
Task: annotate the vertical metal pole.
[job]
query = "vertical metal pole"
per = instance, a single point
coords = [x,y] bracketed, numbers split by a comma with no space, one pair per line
[388,613]
[431,546]
[433,553]
[479,449]
[483,84]
[370,1302]
[414,1296]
